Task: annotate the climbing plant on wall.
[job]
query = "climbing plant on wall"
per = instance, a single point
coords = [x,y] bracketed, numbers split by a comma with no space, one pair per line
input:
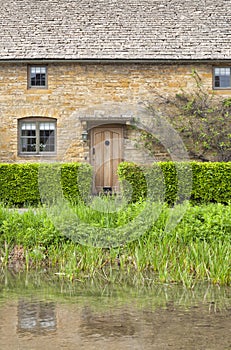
[202,119]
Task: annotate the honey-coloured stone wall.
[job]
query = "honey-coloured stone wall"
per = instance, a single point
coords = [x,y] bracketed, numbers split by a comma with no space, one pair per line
[80,95]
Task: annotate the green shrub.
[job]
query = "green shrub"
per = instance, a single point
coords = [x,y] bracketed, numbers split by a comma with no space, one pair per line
[211,182]
[201,182]
[31,184]
[132,177]
[29,229]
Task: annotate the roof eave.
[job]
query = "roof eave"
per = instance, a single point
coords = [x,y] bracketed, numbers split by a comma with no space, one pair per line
[115,60]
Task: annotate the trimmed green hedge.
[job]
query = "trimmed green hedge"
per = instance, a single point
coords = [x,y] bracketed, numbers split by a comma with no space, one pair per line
[32,183]
[201,182]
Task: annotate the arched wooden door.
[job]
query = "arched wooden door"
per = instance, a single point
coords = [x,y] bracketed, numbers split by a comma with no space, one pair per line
[106,154]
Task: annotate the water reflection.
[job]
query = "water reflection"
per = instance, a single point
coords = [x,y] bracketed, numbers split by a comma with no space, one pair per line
[36,316]
[37,313]
[107,324]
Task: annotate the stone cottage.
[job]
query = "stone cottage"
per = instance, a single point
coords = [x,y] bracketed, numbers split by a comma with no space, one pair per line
[74,75]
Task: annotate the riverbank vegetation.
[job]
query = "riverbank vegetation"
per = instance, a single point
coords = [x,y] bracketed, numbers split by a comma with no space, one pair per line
[197,249]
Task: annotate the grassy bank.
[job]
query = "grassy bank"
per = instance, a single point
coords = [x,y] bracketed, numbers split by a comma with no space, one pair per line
[197,249]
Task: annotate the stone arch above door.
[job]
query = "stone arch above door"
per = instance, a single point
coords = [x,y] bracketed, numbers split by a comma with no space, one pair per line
[133,119]
[106,126]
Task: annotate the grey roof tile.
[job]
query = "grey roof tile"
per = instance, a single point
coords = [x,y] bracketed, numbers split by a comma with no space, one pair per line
[115,29]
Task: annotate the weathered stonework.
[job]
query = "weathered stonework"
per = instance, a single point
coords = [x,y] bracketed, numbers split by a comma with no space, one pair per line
[82,95]
[116,29]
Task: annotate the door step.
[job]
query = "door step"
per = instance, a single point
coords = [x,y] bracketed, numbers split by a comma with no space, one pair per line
[107,190]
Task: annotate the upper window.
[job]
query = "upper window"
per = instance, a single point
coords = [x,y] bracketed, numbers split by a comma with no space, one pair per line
[222,78]
[37,77]
[37,136]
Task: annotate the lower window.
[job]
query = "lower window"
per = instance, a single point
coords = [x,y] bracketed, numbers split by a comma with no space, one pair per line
[37,136]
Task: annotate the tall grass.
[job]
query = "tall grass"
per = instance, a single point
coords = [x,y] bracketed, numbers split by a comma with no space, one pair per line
[198,249]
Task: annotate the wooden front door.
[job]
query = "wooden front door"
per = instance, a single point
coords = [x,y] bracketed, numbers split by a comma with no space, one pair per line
[106,154]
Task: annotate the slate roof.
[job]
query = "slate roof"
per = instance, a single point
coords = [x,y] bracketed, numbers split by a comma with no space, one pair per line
[115,29]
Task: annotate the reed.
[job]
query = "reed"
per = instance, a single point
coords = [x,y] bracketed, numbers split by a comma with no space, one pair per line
[197,249]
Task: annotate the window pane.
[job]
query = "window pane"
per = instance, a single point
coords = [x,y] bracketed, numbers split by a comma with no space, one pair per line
[225,81]
[28,126]
[217,81]
[43,79]
[222,71]
[32,82]
[47,126]
[28,137]
[38,76]
[28,144]
[222,78]
[36,137]
[47,137]
[31,133]
[37,80]
[47,141]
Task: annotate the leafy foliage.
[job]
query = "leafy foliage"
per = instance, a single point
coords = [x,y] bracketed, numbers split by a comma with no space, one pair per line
[23,184]
[202,119]
[210,181]
[197,249]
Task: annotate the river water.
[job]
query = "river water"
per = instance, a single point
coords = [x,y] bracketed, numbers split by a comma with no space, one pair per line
[40,311]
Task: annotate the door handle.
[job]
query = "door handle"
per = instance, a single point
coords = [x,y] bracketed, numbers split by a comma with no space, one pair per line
[93,151]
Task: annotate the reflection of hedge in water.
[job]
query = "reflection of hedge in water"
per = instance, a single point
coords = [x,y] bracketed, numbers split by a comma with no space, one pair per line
[52,288]
[107,321]
[116,324]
